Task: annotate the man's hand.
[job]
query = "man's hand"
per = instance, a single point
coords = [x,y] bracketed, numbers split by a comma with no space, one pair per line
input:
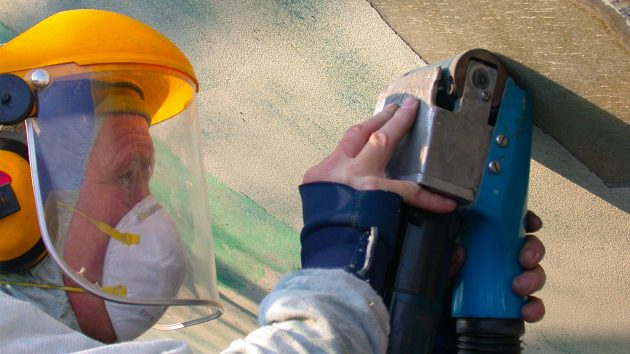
[533,278]
[360,158]
[528,282]
[359,161]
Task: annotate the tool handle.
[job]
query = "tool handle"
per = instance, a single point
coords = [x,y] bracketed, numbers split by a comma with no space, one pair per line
[488,310]
[415,300]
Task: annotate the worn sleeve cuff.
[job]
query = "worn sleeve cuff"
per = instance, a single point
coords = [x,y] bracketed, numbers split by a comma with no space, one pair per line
[349,229]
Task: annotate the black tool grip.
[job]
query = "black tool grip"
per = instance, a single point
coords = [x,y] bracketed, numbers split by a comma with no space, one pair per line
[426,244]
[489,335]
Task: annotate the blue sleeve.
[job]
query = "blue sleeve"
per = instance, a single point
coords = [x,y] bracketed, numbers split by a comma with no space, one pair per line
[338,221]
[349,229]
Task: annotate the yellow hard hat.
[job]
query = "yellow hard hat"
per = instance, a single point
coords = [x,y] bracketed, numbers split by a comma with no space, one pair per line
[81,41]
[88,37]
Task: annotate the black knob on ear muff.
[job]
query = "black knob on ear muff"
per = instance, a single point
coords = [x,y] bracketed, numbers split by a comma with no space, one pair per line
[16,99]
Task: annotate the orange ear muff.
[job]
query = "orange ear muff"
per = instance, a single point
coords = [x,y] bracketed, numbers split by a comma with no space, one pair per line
[21,245]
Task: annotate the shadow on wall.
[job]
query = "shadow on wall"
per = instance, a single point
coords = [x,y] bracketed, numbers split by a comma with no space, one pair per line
[580,122]
[243,285]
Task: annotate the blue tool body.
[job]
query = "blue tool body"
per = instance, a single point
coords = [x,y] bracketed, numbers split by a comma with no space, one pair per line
[471,141]
[493,229]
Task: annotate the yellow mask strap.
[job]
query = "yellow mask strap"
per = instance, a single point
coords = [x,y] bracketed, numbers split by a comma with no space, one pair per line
[118,290]
[128,239]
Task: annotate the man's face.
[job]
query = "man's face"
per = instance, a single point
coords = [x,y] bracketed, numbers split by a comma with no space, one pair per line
[116,179]
[121,161]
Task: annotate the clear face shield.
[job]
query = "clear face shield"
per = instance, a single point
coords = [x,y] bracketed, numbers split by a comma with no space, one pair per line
[121,195]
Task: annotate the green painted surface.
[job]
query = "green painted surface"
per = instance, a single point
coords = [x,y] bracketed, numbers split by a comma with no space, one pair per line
[248,240]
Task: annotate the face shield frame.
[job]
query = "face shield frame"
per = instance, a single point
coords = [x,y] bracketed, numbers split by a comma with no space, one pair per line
[158,116]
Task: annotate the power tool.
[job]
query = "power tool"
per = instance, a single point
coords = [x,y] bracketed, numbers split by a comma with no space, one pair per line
[471,141]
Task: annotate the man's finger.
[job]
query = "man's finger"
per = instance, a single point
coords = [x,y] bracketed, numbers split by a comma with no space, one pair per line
[381,143]
[456,261]
[357,136]
[533,310]
[416,196]
[532,222]
[532,252]
[529,281]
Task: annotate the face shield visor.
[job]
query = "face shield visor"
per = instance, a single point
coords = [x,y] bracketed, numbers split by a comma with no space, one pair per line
[121,194]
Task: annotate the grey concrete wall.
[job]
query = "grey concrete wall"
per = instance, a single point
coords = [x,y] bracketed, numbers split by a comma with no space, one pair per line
[281,80]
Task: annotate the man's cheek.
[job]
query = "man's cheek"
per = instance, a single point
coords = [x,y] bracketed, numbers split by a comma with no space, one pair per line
[107,202]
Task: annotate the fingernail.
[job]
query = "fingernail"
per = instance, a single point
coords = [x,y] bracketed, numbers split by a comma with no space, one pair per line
[522,284]
[530,256]
[529,313]
[450,203]
[409,102]
[390,106]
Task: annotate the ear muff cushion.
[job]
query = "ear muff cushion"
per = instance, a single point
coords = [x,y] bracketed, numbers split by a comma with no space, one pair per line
[20,239]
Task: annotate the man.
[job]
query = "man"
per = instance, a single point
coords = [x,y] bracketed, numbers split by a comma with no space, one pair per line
[118,182]
[311,310]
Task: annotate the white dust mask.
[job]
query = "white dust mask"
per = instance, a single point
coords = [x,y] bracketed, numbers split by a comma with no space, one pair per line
[154,267]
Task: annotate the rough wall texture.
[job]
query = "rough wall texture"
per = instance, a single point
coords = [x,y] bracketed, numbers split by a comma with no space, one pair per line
[586,236]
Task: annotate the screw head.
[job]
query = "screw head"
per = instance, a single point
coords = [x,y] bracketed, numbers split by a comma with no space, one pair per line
[40,78]
[480,78]
[502,140]
[494,167]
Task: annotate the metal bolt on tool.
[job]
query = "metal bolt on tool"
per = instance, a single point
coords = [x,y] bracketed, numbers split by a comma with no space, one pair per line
[502,140]
[494,166]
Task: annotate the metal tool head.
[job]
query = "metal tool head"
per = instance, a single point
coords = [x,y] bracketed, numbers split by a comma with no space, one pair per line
[446,149]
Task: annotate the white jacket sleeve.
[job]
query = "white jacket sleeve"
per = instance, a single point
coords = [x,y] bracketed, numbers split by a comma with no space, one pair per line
[309,311]
[24,328]
[319,311]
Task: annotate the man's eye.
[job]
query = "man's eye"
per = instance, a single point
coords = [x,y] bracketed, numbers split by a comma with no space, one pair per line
[126,178]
